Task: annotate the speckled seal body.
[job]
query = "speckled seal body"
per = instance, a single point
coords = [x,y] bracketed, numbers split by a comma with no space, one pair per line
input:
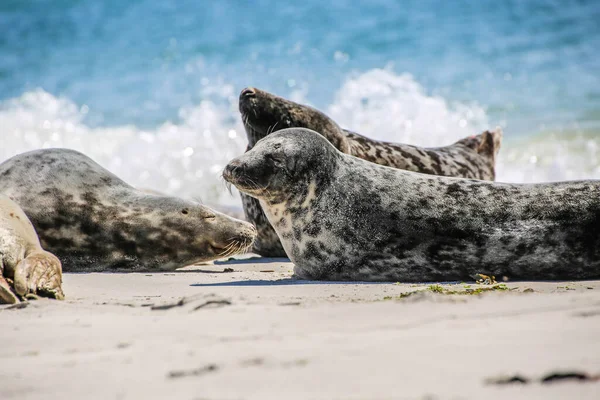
[93,221]
[264,113]
[342,218]
[25,268]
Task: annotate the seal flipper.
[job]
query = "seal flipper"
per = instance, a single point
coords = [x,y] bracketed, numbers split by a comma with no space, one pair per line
[39,273]
[489,147]
[484,147]
[486,143]
[490,143]
[6,294]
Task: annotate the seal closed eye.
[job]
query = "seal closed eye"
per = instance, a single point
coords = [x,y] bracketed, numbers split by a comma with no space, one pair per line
[264,113]
[343,218]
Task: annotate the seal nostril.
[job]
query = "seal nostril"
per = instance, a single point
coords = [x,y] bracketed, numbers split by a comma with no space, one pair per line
[232,167]
[228,172]
[248,92]
[185,211]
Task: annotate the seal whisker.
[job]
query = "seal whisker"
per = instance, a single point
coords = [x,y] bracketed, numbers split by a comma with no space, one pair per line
[229,189]
[232,250]
[271,128]
[226,183]
[225,250]
[225,254]
[230,244]
[241,248]
[247,246]
[254,186]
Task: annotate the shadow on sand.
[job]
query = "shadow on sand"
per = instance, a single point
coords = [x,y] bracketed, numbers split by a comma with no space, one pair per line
[252,260]
[284,282]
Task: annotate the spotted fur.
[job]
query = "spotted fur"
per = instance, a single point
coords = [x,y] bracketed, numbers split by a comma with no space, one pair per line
[263,113]
[94,221]
[343,218]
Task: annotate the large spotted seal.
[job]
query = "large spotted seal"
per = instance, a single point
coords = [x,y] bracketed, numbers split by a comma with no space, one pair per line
[25,268]
[264,113]
[94,221]
[343,218]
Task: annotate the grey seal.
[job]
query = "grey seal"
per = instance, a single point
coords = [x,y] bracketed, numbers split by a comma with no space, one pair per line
[263,113]
[94,221]
[25,267]
[343,218]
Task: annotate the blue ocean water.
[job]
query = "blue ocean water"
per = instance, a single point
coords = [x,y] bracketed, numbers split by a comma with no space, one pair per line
[149,88]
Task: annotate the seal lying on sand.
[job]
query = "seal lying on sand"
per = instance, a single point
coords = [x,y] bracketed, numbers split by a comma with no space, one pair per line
[343,218]
[25,268]
[94,221]
[264,113]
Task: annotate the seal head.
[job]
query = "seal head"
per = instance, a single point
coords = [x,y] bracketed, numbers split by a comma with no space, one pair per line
[264,113]
[280,169]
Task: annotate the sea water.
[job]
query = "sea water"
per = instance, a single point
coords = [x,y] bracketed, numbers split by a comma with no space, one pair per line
[149,88]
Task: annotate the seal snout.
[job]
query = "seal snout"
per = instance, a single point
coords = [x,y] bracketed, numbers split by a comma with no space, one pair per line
[232,170]
[247,93]
[247,102]
[240,242]
[245,238]
[247,234]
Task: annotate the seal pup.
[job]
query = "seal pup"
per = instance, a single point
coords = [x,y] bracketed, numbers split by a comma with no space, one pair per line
[25,268]
[264,113]
[343,218]
[93,221]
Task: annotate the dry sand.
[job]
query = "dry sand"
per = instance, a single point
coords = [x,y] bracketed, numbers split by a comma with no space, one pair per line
[257,334]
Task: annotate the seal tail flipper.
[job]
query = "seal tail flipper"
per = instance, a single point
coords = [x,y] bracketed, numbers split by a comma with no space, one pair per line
[486,143]
[39,273]
[489,147]
[490,143]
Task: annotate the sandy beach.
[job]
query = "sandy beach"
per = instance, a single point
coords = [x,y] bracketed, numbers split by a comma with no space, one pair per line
[243,329]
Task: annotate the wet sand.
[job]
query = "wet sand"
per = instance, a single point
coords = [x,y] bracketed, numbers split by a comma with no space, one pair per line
[255,333]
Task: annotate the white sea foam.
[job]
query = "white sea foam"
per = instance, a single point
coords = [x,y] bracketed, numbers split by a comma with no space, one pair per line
[386,106]
[391,107]
[186,157]
[550,157]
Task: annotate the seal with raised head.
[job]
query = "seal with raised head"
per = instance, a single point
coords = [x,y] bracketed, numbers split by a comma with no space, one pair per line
[343,218]
[264,113]
[93,221]
[25,268]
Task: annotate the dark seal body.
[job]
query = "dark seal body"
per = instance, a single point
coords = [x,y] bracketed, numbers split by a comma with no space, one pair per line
[93,221]
[263,113]
[342,218]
